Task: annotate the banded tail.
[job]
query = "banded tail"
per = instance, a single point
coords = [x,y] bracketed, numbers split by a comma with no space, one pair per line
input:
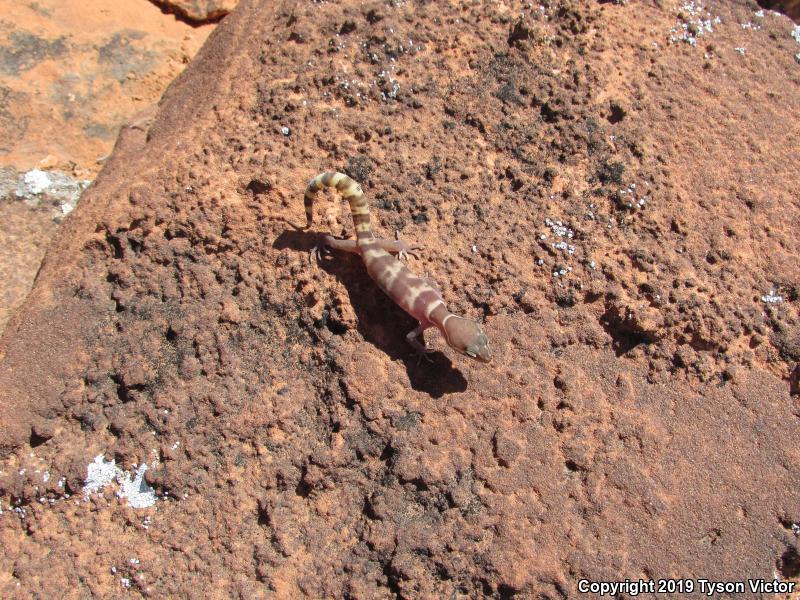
[350,191]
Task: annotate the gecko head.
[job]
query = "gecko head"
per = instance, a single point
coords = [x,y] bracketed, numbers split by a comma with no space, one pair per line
[466,337]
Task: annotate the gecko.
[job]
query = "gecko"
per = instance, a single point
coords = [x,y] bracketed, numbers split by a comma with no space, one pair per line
[420,297]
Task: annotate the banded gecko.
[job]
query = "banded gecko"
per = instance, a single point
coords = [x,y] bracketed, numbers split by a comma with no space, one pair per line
[418,296]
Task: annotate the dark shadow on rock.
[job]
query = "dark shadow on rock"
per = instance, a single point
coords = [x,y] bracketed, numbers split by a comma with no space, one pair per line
[435,378]
[625,334]
[790,8]
[298,240]
[373,308]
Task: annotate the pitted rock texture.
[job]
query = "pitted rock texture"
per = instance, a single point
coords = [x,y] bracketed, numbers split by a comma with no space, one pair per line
[614,207]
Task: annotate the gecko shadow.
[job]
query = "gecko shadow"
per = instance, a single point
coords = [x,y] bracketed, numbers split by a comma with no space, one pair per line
[373,309]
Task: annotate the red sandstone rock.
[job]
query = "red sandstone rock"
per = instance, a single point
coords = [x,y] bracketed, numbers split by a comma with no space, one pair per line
[71,74]
[619,210]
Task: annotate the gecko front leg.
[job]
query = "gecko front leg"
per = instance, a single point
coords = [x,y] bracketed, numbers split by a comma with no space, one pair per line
[402,249]
[328,242]
[397,246]
[413,338]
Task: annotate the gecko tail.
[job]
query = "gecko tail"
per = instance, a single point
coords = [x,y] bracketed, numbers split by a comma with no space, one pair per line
[313,187]
[350,191]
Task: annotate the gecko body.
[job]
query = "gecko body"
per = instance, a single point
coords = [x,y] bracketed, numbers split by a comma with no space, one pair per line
[418,296]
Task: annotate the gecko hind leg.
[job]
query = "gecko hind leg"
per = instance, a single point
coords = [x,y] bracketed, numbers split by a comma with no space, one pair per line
[326,243]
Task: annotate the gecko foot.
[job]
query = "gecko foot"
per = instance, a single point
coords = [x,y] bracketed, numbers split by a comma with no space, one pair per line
[318,251]
[423,355]
[403,249]
[432,282]
[421,350]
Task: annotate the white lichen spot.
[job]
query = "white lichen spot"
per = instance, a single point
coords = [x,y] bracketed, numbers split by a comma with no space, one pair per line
[60,189]
[134,489]
[559,229]
[36,181]
[771,298]
[564,247]
[99,474]
[696,21]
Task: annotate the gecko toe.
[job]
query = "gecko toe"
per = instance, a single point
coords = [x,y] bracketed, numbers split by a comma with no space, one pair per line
[423,355]
[317,252]
[405,251]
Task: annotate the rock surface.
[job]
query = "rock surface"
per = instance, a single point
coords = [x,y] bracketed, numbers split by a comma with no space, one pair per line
[790,8]
[619,209]
[199,11]
[71,73]
[32,204]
